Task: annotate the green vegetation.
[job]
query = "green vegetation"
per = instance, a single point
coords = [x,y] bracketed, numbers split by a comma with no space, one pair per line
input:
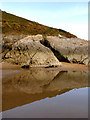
[12,24]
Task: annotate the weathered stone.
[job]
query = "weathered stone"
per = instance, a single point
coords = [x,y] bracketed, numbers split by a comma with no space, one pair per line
[29,52]
[9,40]
[68,49]
[72,50]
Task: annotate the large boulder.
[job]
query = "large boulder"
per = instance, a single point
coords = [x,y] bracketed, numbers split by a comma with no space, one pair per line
[9,40]
[68,49]
[28,51]
[14,38]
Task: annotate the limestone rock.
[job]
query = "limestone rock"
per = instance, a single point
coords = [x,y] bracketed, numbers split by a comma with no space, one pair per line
[31,52]
[68,49]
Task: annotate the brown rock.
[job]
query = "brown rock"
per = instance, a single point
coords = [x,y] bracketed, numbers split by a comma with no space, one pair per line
[31,52]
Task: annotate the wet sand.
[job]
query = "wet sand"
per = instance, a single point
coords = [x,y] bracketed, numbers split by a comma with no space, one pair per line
[7,69]
[34,85]
[74,67]
[72,104]
[8,65]
[64,67]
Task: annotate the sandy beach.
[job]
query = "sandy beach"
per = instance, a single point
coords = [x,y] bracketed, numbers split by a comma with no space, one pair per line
[7,69]
[65,66]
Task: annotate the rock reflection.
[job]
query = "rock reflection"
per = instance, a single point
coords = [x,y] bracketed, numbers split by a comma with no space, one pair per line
[36,84]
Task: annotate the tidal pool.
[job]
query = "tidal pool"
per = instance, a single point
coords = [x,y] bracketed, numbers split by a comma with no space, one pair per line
[42,93]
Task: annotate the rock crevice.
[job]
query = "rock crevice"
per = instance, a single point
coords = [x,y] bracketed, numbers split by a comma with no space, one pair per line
[31,53]
[46,51]
[71,50]
[60,57]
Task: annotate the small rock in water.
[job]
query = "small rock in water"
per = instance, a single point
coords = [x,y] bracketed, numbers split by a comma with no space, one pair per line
[25,66]
[51,66]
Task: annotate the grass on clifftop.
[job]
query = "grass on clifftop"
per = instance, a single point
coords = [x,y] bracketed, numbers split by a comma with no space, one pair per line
[12,24]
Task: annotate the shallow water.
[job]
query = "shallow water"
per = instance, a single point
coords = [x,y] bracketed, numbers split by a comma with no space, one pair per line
[41,93]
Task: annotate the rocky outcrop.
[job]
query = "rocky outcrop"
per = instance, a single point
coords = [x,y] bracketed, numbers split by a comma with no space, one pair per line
[14,38]
[36,50]
[30,52]
[9,40]
[73,50]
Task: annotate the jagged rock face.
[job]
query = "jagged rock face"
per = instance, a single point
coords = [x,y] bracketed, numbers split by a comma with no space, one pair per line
[28,51]
[31,50]
[14,38]
[69,49]
[9,40]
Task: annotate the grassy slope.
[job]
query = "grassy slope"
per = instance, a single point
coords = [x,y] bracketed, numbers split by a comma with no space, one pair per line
[17,25]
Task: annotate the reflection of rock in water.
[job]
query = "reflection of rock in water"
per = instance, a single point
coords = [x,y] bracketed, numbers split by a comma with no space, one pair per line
[32,85]
[68,80]
[30,81]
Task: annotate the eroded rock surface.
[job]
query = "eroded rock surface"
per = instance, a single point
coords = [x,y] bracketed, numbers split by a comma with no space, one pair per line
[44,50]
[29,51]
[68,49]
[9,40]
